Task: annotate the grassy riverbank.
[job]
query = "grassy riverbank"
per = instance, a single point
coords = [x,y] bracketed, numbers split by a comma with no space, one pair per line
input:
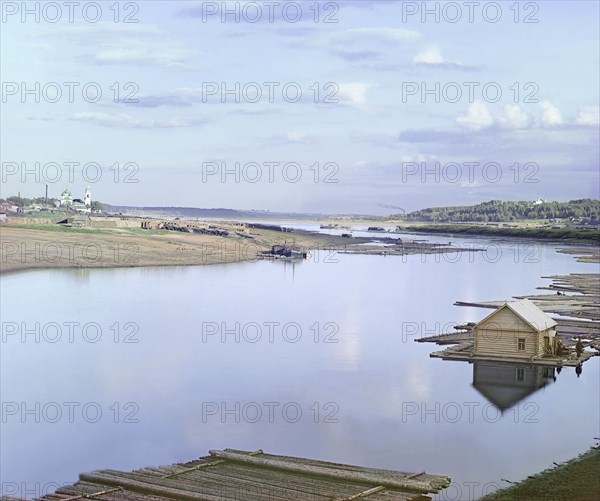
[534,233]
[577,479]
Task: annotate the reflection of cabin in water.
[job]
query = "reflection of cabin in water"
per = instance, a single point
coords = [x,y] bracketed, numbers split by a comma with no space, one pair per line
[516,329]
[504,385]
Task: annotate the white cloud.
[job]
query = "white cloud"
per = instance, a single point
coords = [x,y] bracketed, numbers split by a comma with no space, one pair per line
[383,35]
[467,183]
[296,138]
[513,117]
[589,116]
[364,44]
[352,94]
[419,158]
[140,55]
[476,117]
[550,115]
[431,56]
[41,46]
[107,43]
[127,121]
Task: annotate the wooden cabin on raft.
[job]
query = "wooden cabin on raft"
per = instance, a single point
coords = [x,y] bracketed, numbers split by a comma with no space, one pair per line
[517,329]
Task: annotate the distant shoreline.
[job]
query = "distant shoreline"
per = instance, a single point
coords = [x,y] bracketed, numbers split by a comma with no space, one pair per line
[466,229]
[557,235]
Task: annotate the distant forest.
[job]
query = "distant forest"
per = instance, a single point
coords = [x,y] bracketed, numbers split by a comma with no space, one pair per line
[25,202]
[587,210]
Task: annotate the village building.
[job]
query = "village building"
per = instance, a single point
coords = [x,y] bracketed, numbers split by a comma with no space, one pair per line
[9,207]
[539,201]
[66,199]
[76,204]
[517,329]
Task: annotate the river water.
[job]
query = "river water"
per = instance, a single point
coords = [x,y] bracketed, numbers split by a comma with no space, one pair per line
[126,368]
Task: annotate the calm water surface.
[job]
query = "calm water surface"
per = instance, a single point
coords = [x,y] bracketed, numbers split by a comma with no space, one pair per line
[372,398]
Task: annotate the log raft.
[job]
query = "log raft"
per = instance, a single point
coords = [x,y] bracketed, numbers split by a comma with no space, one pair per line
[233,474]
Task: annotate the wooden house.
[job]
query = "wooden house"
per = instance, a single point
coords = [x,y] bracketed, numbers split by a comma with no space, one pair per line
[517,329]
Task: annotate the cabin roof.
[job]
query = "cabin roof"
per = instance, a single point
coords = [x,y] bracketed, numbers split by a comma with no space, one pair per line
[528,312]
[232,474]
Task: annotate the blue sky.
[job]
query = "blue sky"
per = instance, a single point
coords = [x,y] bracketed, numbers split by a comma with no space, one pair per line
[383,143]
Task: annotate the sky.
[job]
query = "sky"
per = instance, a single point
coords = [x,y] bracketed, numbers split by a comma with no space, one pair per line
[364,107]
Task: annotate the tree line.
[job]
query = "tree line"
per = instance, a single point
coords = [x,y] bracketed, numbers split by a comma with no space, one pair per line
[499,211]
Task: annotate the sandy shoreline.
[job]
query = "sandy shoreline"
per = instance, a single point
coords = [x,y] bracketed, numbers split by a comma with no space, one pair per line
[26,247]
[29,249]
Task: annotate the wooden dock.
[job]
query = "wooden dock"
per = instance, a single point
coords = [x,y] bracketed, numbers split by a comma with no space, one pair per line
[241,475]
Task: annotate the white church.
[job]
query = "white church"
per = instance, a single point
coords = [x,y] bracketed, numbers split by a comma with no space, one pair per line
[76,204]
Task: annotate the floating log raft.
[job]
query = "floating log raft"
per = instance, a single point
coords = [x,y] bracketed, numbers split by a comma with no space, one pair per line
[397,247]
[584,253]
[575,295]
[465,352]
[241,475]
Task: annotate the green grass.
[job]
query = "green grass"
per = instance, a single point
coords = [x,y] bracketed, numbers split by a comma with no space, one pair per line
[591,235]
[45,215]
[60,228]
[578,479]
[141,231]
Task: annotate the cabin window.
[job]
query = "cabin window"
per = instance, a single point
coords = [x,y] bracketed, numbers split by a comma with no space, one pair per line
[521,344]
[520,374]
